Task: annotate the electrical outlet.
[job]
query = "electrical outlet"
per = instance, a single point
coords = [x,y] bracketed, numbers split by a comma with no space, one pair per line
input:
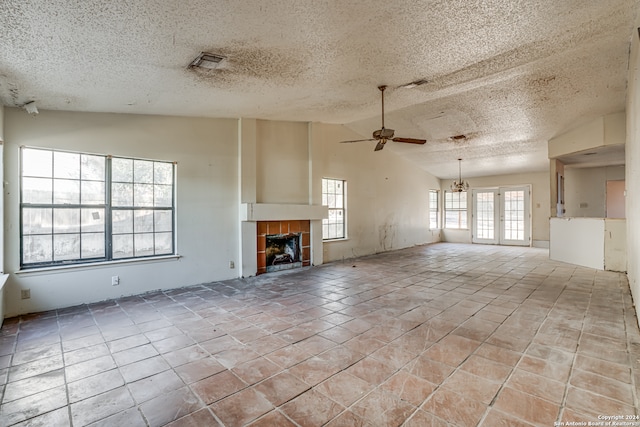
[115,280]
[232,264]
[25,293]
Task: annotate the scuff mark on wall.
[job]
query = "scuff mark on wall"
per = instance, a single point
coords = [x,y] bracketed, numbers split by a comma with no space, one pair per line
[387,234]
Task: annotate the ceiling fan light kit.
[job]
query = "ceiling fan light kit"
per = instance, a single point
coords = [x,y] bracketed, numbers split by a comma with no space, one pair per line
[383,134]
[459,186]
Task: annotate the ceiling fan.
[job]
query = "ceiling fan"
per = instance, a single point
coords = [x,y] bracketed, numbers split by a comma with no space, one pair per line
[383,135]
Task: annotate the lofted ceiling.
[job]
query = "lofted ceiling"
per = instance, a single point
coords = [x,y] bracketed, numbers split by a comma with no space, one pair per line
[508,75]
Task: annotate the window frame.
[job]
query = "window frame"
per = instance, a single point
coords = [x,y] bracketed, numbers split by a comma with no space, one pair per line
[462,211]
[326,222]
[166,247]
[434,209]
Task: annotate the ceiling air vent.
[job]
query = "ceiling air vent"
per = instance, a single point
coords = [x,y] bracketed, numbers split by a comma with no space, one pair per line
[207,60]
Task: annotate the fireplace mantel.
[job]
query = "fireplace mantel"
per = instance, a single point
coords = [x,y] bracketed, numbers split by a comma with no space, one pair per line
[282,212]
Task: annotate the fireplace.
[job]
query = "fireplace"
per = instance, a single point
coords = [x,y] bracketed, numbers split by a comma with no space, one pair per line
[283,251]
[283,245]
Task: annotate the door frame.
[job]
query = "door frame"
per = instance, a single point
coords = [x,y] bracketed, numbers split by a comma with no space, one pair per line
[499,216]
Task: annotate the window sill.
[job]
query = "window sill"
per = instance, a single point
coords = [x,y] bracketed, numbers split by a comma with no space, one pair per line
[92,265]
[344,239]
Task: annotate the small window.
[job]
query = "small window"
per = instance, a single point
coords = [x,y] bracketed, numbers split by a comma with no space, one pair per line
[455,209]
[78,207]
[434,212]
[333,196]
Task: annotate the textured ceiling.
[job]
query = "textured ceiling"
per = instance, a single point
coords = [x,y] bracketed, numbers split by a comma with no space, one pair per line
[507,74]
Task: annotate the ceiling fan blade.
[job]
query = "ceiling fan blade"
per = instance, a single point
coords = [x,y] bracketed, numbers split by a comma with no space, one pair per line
[356,140]
[410,140]
[380,145]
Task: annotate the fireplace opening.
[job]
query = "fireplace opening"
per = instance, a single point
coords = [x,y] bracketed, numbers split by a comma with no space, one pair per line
[283,251]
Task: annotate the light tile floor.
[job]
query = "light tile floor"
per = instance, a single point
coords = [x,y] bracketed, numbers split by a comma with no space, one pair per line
[445,334]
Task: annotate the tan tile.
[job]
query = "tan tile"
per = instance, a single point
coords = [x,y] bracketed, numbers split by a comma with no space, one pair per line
[344,388]
[421,418]
[218,386]
[537,385]
[496,418]
[452,350]
[393,355]
[383,409]
[315,345]
[349,419]
[287,356]
[550,370]
[241,408]
[314,370]
[454,408]
[273,418]
[170,406]
[472,386]
[430,370]
[26,387]
[364,345]
[604,386]
[611,370]
[34,405]
[526,407]
[202,417]
[101,406]
[371,370]
[338,334]
[199,369]
[281,388]
[408,387]
[311,409]
[256,370]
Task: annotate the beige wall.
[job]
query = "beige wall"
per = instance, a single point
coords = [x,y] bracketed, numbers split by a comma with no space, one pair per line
[539,204]
[387,197]
[207,202]
[632,154]
[282,169]
[600,132]
[586,190]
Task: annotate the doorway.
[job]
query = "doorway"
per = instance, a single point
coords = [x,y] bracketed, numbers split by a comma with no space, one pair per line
[501,216]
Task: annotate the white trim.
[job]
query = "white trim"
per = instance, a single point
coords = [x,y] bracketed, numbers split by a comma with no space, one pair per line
[91,265]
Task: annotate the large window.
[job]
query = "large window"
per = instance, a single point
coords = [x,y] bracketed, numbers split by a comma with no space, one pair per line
[333,196]
[434,212]
[455,209]
[84,207]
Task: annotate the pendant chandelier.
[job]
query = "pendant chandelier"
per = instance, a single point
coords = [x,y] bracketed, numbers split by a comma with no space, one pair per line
[459,186]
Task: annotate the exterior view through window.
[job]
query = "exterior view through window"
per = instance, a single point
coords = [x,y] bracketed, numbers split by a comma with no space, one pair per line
[78,207]
[455,209]
[434,215]
[333,195]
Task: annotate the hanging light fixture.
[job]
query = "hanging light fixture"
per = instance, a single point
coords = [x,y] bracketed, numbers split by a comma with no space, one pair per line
[459,186]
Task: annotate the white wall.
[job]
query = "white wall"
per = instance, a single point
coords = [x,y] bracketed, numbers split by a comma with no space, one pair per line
[207,202]
[632,163]
[539,204]
[387,197]
[586,190]
[282,170]
[600,132]
[615,244]
[578,241]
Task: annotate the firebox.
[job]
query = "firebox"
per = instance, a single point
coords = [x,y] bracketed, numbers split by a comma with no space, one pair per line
[283,251]
[272,241]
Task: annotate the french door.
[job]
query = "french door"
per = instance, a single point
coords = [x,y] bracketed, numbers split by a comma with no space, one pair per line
[501,216]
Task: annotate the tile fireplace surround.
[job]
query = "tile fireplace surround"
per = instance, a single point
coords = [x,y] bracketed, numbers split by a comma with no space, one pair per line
[283,227]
